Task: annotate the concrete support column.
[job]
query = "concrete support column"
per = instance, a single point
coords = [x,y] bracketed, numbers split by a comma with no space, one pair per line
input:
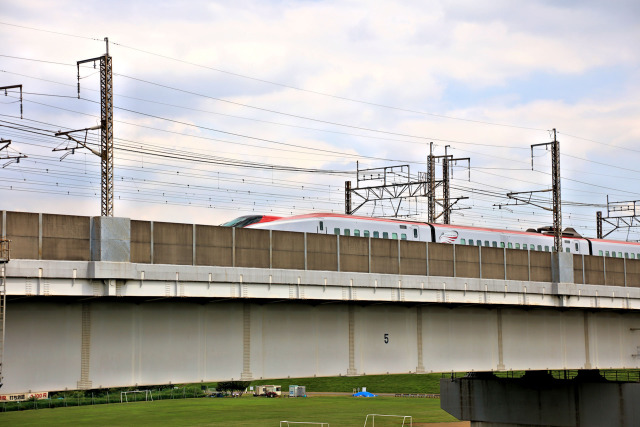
[85,348]
[352,342]
[193,247]
[246,343]
[110,239]
[420,367]
[151,241]
[537,399]
[562,267]
[40,236]
[500,366]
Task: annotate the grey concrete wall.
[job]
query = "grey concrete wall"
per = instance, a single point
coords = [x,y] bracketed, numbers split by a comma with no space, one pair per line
[172,243]
[594,269]
[354,254]
[22,230]
[517,265]
[441,259]
[288,250]
[615,272]
[413,258]
[540,266]
[214,245]
[493,263]
[158,341]
[384,256]
[321,252]
[141,241]
[633,273]
[64,237]
[252,248]
[467,261]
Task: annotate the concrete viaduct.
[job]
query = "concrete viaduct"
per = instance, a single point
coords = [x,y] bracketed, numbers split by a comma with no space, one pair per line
[103,302]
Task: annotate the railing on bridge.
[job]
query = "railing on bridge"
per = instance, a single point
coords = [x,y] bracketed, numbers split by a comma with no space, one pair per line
[66,237]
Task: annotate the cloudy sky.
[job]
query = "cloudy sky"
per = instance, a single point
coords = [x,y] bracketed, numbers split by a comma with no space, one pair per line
[230,108]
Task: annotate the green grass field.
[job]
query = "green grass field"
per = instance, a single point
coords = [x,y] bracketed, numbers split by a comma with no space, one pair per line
[407,383]
[245,411]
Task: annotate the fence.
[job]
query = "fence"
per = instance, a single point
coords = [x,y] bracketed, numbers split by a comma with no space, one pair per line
[79,398]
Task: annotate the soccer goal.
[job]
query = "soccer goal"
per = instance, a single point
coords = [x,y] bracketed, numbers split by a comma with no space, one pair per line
[287,423]
[124,395]
[405,418]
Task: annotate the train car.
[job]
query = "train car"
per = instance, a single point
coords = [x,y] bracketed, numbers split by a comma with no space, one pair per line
[384,228]
[247,220]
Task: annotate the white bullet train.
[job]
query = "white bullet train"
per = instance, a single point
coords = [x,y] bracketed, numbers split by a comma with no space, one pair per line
[385,228]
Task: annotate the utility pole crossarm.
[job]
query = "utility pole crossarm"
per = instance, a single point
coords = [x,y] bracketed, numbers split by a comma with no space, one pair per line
[4,145]
[80,143]
[14,87]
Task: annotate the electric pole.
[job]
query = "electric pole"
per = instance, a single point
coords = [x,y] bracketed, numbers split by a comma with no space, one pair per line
[431,180]
[106,128]
[445,203]
[347,197]
[5,255]
[555,189]
[599,225]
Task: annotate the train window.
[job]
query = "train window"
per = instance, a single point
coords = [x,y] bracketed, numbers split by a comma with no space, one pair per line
[336,231]
[631,255]
[626,255]
[403,227]
[495,244]
[463,242]
[517,245]
[385,235]
[394,236]
[366,233]
[356,233]
[376,234]
[347,232]
[567,249]
[600,253]
[577,247]
[510,245]
[524,246]
[546,248]
[540,247]
[321,225]
[486,243]
[502,244]
[470,242]
[619,254]
[606,253]
[415,233]
[403,236]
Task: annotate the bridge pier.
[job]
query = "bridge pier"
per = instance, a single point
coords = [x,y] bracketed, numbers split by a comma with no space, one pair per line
[538,399]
